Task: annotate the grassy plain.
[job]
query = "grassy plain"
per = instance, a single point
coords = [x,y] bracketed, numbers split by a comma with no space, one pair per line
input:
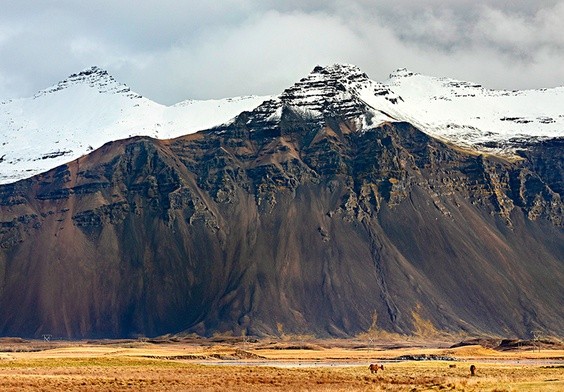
[233,365]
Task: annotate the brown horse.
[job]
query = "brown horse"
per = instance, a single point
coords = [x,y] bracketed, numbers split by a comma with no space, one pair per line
[374,367]
[472,370]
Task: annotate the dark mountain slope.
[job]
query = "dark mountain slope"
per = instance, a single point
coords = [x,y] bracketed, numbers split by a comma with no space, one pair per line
[299,222]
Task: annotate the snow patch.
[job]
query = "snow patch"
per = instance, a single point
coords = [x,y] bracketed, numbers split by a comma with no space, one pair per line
[87,110]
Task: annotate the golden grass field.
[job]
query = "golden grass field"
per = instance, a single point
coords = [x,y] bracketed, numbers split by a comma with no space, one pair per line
[205,365]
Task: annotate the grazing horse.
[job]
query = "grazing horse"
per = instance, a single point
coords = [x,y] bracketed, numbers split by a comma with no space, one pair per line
[472,370]
[452,366]
[374,367]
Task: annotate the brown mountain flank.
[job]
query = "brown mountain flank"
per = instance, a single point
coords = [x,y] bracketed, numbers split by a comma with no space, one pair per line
[294,228]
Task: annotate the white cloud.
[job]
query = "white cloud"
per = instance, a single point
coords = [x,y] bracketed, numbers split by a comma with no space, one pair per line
[273,49]
[170,50]
[524,36]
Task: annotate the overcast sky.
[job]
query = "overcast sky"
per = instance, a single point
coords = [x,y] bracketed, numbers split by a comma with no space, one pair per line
[170,50]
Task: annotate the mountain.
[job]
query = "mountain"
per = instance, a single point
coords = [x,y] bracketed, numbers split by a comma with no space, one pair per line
[320,211]
[88,109]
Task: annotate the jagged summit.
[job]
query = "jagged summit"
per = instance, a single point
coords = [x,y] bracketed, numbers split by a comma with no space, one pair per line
[95,78]
[402,73]
[323,86]
[330,84]
[345,74]
[333,91]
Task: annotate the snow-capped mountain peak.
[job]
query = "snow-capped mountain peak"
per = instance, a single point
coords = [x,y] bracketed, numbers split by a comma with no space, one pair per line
[95,78]
[332,84]
[88,109]
[329,92]
[326,91]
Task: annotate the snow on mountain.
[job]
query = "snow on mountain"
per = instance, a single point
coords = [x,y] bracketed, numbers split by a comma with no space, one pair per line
[326,92]
[470,115]
[89,109]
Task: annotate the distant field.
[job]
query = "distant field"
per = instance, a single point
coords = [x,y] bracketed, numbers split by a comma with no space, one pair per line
[260,366]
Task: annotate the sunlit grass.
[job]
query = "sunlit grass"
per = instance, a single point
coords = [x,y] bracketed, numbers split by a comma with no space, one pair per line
[147,368]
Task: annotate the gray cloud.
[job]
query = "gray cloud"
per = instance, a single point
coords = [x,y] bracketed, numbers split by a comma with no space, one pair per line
[170,50]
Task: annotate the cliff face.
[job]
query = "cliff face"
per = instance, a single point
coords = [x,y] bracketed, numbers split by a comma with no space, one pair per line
[286,221]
